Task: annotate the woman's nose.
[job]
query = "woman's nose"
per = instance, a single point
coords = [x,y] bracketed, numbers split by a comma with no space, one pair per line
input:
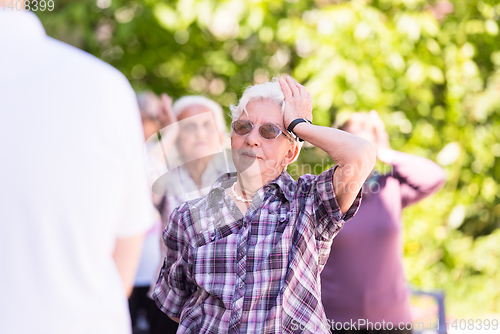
[253,138]
[202,131]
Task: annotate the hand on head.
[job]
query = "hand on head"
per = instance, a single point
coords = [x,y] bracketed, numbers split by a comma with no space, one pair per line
[298,102]
[166,115]
[167,118]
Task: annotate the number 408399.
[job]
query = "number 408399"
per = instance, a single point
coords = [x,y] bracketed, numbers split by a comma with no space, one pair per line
[32,5]
[472,324]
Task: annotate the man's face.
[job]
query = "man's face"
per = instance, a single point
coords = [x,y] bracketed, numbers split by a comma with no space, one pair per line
[254,155]
[198,135]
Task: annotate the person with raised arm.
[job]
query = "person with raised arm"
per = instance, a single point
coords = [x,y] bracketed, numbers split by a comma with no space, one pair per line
[363,281]
[247,257]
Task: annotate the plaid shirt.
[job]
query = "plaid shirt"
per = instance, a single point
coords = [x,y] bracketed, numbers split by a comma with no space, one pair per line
[258,273]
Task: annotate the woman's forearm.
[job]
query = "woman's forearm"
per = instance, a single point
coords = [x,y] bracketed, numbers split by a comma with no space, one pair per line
[354,155]
[343,147]
[419,172]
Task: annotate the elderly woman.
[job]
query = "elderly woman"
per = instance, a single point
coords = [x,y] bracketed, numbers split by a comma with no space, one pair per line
[247,257]
[184,163]
[363,285]
[195,127]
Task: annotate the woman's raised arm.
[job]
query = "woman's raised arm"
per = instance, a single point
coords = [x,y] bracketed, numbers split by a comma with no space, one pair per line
[355,156]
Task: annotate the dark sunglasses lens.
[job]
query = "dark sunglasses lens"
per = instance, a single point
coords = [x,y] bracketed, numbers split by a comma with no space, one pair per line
[242,128]
[269,131]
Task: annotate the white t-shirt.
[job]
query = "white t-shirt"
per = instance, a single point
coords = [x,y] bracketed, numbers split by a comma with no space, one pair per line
[72,180]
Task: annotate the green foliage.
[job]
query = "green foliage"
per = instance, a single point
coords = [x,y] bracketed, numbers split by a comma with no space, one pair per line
[436,84]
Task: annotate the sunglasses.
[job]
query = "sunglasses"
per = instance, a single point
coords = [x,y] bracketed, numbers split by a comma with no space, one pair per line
[267,131]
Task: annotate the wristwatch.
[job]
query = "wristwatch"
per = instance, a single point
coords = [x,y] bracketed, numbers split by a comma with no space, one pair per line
[292,125]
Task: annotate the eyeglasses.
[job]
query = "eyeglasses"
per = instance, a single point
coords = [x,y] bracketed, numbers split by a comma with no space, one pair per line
[267,131]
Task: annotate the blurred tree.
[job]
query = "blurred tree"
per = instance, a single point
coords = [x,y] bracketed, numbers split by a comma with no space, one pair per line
[432,70]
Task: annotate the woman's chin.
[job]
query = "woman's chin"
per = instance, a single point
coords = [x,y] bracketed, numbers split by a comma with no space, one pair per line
[249,167]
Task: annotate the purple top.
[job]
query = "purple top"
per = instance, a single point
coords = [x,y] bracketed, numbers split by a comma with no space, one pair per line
[258,273]
[364,278]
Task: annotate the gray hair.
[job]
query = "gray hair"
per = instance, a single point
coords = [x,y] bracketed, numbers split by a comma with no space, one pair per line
[269,91]
[190,100]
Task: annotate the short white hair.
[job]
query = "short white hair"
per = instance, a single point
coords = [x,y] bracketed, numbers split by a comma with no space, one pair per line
[269,91]
[186,101]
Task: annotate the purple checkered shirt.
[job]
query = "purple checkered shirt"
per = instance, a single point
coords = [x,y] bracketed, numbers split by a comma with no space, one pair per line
[258,273]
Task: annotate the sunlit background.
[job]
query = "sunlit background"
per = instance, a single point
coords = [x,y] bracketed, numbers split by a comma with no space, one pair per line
[431,69]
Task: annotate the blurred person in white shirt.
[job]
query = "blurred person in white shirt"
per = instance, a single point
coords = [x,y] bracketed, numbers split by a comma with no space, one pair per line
[74,197]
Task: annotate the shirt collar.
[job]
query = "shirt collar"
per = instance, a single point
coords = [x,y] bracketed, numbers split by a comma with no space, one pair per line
[20,25]
[284,182]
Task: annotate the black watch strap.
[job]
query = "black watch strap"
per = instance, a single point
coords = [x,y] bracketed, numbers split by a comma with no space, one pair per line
[292,125]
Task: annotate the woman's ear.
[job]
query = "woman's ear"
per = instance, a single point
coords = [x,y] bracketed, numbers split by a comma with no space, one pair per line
[291,154]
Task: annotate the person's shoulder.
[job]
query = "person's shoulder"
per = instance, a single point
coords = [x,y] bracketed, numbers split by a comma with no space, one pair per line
[193,207]
[200,207]
[193,216]
[305,184]
[308,180]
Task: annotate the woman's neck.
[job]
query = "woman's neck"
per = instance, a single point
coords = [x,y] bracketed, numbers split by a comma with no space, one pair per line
[249,185]
[196,168]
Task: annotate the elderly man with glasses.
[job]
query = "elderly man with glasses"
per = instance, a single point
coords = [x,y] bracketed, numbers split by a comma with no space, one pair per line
[247,257]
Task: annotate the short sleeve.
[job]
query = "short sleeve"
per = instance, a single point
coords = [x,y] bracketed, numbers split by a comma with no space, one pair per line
[322,204]
[174,286]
